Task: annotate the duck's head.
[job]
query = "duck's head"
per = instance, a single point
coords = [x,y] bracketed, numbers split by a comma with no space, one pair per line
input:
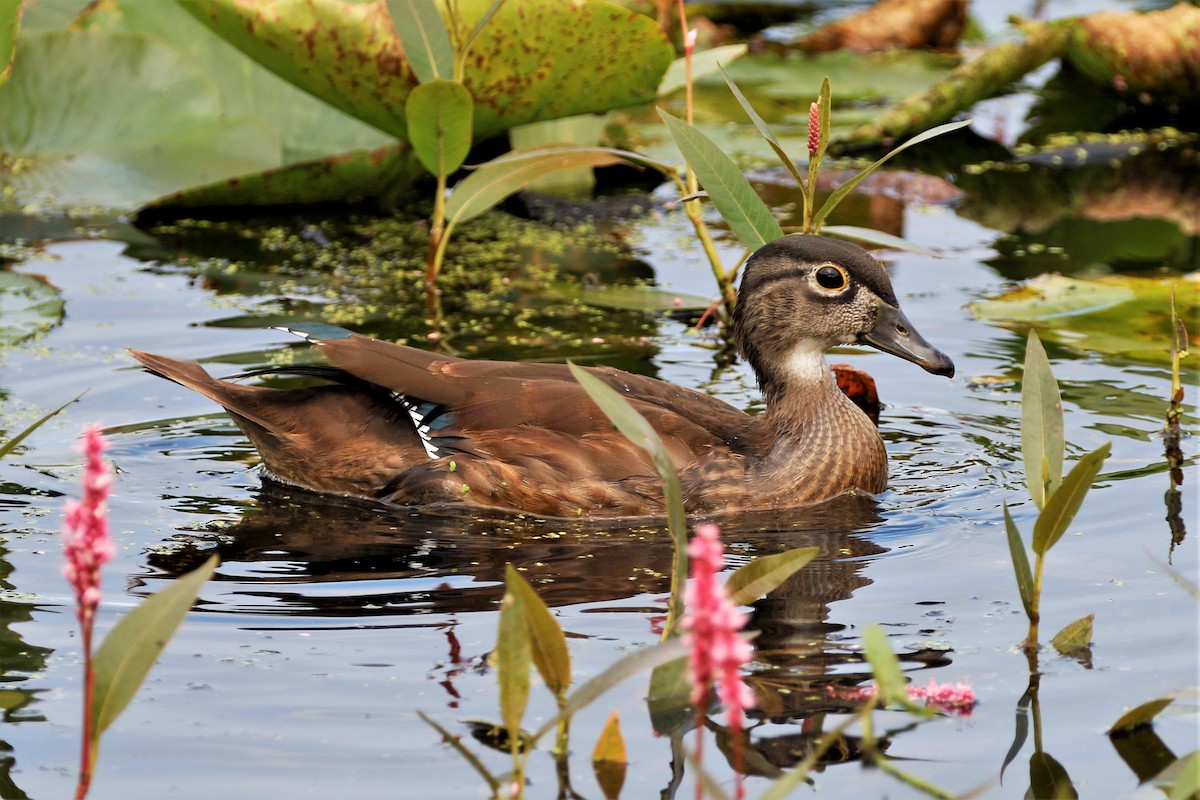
[801,295]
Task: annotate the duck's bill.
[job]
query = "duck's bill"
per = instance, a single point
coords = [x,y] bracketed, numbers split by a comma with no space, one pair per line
[894,334]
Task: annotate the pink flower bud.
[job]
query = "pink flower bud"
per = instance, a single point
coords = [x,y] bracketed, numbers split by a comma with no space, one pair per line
[814,129]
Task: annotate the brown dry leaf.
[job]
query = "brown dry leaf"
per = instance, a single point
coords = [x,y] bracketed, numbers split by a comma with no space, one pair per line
[893,25]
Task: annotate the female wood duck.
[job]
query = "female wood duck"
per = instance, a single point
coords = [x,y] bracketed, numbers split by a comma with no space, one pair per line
[406,426]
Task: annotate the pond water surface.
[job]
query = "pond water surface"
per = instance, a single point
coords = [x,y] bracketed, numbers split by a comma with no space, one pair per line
[330,625]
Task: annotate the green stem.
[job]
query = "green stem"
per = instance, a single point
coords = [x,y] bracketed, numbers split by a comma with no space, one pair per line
[439,233]
[1035,616]
[87,749]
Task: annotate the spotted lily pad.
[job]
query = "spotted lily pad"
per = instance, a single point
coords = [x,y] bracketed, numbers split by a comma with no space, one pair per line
[74,134]
[1118,315]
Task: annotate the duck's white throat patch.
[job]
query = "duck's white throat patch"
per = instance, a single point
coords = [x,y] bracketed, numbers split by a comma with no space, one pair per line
[806,363]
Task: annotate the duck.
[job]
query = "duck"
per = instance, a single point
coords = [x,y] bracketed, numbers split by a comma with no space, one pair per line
[409,427]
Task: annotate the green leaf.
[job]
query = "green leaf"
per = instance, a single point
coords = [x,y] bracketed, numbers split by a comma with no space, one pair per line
[1062,506]
[1020,562]
[627,667]
[704,63]
[1048,779]
[512,656]
[10,445]
[1187,780]
[426,42]
[634,427]
[669,698]
[885,666]
[742,209]
[878,238]
[467,755]
[1076,638]
[132,646]
[10,23]
[609,758]
[77,134]
[439,124]
[1042,441]
[1141,715]
[764,130]
[546,640]
[848,186]
[763,575]
[485,187]
[347,54]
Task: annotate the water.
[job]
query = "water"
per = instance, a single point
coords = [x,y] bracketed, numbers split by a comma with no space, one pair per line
[330,625]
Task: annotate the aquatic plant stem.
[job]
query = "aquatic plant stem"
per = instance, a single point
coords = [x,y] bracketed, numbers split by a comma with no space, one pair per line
[1035,616]
[87,750]
[691,186]
[438,233]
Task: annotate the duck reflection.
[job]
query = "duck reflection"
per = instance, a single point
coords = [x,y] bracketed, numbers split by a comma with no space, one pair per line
[397,563]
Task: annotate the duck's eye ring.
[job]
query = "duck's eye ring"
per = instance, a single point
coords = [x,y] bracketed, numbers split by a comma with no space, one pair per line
[832,278]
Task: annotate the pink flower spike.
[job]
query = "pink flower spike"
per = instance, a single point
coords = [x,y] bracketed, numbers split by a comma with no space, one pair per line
[689,44]
[711,625]
[87,545]
[957,699]
[814,129]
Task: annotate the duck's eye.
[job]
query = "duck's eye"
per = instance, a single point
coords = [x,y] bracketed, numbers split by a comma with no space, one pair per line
[830,277]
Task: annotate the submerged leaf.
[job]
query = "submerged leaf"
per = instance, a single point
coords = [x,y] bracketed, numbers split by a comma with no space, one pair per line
[742,209]
[130,649]
[763,575]
[1076,638]
[1141,715]
[1042,438]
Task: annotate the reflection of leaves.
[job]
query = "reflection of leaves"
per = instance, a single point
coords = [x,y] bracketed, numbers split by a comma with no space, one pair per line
[28,307]
[1048,780]
[763,575]
[74,134]
[1020,729]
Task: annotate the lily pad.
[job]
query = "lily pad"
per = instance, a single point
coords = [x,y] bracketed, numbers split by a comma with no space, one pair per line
[28,307]
[73,134]
[1121,315]
[308,128]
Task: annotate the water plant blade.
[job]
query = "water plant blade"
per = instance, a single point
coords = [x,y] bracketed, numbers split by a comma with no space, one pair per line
[763,575]
[610,759]
[439,124]
[885,667]
[1020,562]
[847,187]
[546,640]
[461,749]
[1062,506]
[485,187]
[512,656]
[132,646]
[740,206]
[1141,715]
[634,427]
[1075,639]
[669,698]
[877,238]
[1042,441]
[1187,778]
[426,42]
[1048,779]
[627,667]
[764,130]
[10,445]
[704,63]
[10,23]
